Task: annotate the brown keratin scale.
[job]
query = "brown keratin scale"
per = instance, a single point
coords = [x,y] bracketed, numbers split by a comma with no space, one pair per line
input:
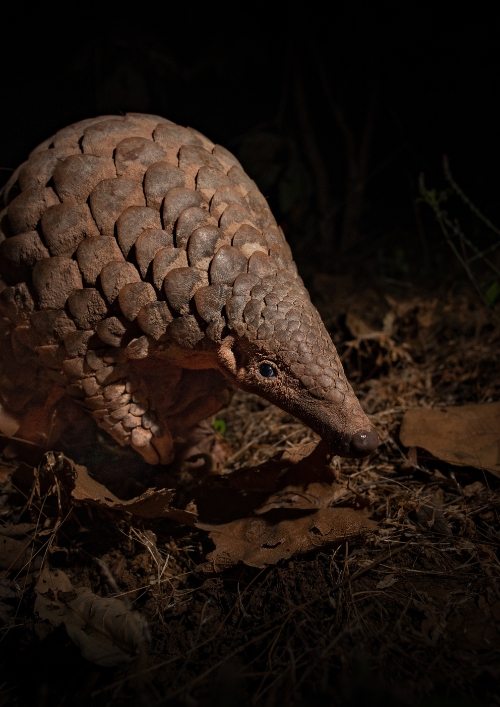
[143,274]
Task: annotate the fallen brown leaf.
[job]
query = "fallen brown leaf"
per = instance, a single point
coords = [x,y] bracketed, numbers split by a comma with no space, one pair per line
[5,471]
[150,504]
[6,592]
[387,582]
[467,435]
[17,531]
[431,518]
[82,487]
[313,496]
[15,554]
[259,542]
[106,632]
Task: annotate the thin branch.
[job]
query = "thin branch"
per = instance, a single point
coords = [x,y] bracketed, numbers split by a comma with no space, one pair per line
[465,198]
[446,226]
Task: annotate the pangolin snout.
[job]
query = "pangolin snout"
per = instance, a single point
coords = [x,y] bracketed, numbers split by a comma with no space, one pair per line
[346,430]
[363,443]
[353,446]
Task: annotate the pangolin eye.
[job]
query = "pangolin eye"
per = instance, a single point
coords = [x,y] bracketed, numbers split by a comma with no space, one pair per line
[267,371]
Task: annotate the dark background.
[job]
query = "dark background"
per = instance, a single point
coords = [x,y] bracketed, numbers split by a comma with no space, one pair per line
[334,115]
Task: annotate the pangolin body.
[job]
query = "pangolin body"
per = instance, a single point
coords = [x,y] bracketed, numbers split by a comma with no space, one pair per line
[144,275]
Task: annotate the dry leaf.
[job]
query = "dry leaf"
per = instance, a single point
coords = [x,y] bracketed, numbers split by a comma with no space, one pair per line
[467,435]
[301,452]
[204,447]
[473,489]
[15,554]
[301,480]
[4,613]
[5,471]
[356,325]
[259,541]
[151,504]
[313,496]
[54,582]
[431,518]
[6,592]
[17,531]
[116,634]
[387,581]
[464,544]
[106,632]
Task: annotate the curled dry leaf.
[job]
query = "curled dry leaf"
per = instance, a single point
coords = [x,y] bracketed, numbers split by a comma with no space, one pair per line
[429,517]
[15,554]
[357,326]
[82,487]
[17,531]
[4,613]
[466,435]
[261,541]
[5,471]
[472,489]
[6,592]
[106,632]
[150,504]
[204,446]
[315,495]
[387,582]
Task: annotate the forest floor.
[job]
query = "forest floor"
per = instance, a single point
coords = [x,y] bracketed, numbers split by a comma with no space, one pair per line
[289,577]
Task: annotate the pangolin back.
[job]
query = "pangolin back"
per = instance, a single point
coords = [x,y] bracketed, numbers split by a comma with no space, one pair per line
[144,275]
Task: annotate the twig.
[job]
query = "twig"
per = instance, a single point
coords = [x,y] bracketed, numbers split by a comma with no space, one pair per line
[466,200]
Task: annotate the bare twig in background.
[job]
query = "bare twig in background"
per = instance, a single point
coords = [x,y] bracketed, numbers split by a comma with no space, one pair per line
[489,289]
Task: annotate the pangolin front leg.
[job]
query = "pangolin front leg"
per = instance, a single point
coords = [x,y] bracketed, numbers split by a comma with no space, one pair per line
[151,404]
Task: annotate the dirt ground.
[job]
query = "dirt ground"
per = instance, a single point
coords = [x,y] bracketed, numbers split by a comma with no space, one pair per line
[390,597]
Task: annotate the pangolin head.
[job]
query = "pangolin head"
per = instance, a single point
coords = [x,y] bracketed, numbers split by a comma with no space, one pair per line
[279,349]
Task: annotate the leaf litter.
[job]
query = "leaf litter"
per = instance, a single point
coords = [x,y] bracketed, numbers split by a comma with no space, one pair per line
[465,435]
[277,573]
[104,629]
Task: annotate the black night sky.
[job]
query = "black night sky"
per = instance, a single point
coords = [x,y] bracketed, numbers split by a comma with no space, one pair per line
[316,106]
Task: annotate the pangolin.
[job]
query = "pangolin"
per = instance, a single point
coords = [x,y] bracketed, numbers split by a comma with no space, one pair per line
[144,275]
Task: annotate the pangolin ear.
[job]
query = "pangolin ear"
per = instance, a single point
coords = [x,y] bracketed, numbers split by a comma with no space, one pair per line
[226,356]
[232,356]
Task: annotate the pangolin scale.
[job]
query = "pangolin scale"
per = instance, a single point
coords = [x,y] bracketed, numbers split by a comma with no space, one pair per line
[144,275]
